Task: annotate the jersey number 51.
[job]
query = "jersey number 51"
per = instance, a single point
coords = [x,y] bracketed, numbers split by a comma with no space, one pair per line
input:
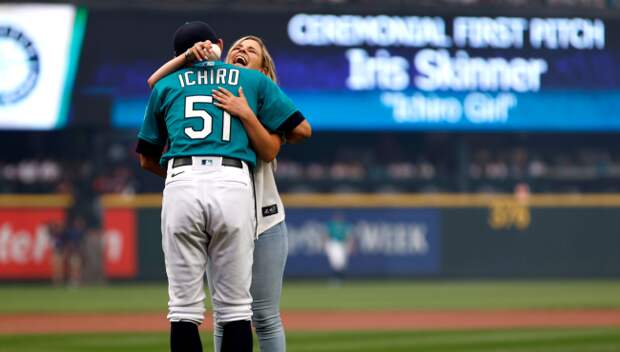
[207,127]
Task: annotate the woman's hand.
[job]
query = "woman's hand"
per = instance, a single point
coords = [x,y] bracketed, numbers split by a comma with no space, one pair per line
[237,106]
[199,52]
[265,145]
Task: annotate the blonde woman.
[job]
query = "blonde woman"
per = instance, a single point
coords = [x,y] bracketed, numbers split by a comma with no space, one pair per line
[271,244]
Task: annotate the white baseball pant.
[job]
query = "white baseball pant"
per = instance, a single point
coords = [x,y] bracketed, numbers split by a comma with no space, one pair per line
[208,215]
[336,254]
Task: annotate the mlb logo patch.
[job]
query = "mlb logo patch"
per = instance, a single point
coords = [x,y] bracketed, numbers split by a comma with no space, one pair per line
[270,210]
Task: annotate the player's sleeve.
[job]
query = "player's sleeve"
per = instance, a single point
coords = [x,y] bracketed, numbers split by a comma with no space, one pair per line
[153,135]
[275,109]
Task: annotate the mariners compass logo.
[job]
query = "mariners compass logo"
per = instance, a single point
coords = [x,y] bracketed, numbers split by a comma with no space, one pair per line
[19,65]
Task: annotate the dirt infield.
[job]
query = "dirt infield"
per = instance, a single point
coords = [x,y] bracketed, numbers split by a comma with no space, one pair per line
[323,321]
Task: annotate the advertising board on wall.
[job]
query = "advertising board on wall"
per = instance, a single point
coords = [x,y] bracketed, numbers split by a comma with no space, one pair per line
[380,242]
[26,247]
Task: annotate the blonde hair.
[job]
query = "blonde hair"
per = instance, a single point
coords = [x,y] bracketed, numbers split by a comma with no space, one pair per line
[268,67]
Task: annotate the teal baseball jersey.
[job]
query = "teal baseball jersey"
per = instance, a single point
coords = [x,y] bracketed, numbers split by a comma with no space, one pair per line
[181,111]
[338,230]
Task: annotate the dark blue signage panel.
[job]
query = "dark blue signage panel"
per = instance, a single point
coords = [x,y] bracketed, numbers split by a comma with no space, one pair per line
[454,73]
[382,241]
[398,72]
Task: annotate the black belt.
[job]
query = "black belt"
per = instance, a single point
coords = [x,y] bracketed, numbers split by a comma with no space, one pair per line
[187,160]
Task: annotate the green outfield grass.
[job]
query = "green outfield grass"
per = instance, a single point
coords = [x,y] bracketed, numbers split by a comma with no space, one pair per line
[358,295]
[540,340]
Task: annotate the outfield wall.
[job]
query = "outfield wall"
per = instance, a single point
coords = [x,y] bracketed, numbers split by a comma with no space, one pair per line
[451,236]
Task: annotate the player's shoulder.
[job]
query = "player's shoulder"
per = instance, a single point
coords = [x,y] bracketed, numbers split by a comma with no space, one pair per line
[168,80]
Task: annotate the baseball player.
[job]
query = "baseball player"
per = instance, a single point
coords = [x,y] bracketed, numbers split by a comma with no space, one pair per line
[271,245]
[208,210]
[337,246]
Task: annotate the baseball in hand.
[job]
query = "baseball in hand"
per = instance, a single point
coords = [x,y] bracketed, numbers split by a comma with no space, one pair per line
[216,53]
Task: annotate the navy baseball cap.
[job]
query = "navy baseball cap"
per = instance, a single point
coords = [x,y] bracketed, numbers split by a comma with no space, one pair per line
[191,32]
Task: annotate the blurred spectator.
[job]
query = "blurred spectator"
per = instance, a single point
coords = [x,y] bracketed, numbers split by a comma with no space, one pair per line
[522,192]
[57,233]
[93,271]
[537,168]
[87,206]
[67,257]
[73,249]
[355,162]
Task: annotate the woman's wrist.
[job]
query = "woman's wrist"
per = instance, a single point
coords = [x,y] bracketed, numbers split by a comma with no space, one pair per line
[189,56]
[246,115]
